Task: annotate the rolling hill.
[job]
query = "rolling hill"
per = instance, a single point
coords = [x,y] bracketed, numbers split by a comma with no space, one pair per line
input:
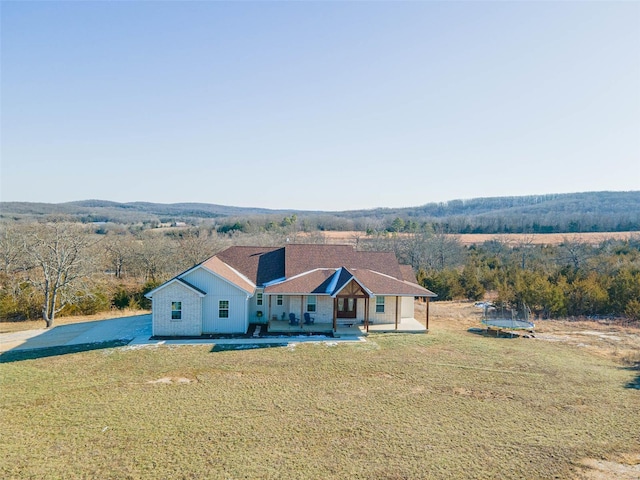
[571,212]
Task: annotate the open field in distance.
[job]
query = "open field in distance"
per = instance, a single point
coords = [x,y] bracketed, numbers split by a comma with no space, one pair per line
[592,238]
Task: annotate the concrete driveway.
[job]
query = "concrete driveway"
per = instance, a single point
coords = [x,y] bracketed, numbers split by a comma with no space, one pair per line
[136,332]
[124,328]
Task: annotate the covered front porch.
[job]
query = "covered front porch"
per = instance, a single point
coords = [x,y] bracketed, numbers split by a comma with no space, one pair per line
[327,314]
[329,299]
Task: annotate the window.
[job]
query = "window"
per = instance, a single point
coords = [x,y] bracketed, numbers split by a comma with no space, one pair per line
[176,310]
[259,299]
[223,309]
[379,304]
[311,303]
[279,300]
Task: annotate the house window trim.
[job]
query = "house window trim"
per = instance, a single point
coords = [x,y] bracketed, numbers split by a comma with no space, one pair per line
[259,299]
[280,300]
[312,306]
[380,304]
[176,311]
[222,308]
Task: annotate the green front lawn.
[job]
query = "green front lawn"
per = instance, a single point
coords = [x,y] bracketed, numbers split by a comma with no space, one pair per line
[442,405]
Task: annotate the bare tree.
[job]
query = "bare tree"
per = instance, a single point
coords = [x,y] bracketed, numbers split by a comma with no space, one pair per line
[524,246]
[10,249]
[56,263]
[154,258]
[196,245]
[442,250]
[574,253]
[415,246]
[119,252]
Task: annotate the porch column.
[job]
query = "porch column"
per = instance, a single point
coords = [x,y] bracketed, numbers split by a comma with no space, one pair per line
[397,310]
[427,324]
[366,313]
[335,314]
[269,310]
[301,309]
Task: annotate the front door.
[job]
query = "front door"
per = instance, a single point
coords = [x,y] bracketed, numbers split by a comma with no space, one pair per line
[347,307]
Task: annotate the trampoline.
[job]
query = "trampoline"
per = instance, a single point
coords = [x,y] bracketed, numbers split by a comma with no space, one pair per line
[508,323]
[505,318]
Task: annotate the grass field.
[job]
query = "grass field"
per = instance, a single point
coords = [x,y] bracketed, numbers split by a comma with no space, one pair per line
[448,404]
[594,238]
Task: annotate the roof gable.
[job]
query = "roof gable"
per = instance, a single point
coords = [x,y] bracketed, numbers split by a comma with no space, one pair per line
[349,285]
[218,267]
[381,284]
[180,282]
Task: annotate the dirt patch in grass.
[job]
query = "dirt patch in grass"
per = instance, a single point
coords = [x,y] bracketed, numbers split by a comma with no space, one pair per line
[170,380]
[626,468]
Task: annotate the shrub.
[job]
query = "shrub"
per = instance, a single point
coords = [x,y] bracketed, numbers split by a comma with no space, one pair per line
[20,303]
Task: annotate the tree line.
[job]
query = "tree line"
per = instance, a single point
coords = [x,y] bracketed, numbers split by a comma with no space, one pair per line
[58,267]
[570,279]
[557,213]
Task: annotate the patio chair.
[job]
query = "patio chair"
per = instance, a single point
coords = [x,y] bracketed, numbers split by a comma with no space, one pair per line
[308,319]
[293,320]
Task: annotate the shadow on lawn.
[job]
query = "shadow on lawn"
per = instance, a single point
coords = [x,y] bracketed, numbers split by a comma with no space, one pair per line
[20,355]
[635,383]
[484,332]
[252,346]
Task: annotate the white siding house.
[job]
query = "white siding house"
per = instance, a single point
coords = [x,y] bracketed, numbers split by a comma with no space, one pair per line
[221,306]
[225,305]
[334,284]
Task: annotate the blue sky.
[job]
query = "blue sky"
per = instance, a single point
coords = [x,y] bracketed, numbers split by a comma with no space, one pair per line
[317,105]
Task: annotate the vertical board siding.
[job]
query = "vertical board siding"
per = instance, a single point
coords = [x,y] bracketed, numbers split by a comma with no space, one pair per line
[407,307]
[218,289]
[237,321]
[191,322]
[254,307]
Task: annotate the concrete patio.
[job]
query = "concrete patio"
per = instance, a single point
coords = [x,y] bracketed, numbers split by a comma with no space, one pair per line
[406,325]
[285,328]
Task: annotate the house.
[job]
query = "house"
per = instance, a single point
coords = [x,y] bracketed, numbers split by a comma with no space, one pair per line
[332,284]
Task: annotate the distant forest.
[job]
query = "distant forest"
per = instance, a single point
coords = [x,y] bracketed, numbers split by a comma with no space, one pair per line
[554,213]
[94,256]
